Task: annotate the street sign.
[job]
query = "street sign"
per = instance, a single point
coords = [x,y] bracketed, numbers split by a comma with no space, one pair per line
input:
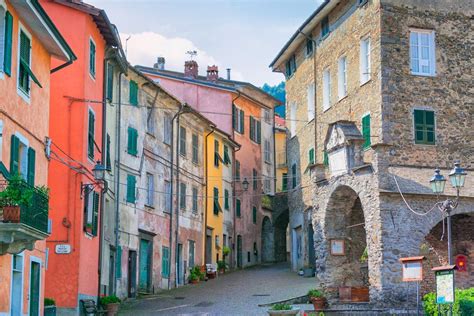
[63,249]
[444,284]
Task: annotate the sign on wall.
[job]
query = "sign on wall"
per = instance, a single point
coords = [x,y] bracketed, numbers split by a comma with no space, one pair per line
[63,249]
[337,247]
[412,268]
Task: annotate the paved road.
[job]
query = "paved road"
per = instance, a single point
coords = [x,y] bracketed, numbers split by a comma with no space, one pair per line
[236,293]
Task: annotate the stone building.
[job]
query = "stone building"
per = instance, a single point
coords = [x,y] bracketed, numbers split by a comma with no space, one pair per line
[392,103]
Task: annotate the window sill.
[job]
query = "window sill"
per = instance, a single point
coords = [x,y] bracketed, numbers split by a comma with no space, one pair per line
[417,74]
[342,98]
[151,134]
[149,206]
[327,109]
[425,144]
[365,82]
[25,96]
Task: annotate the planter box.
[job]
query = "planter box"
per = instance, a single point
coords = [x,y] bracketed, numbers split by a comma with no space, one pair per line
[345,294]
[50,310]
[294,311]
[359,294]
[11,214]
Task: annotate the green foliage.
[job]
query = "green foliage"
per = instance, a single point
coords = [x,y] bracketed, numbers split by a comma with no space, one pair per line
[315,293]
[49,302]
[321,314]
[281,307]
[225,251]
[104,300]
[278,92]
[364,257]
[196,274]
[463,304]
[222,265]
[16,193]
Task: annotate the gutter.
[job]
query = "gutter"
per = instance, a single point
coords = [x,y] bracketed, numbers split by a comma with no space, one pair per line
[234,237]
[61,66]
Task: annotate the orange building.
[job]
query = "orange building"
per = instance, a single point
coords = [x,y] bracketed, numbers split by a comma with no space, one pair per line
[28,40]
[77,144]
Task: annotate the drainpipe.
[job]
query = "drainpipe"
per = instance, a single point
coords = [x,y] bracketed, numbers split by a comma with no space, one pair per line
[233,186]
[206,187]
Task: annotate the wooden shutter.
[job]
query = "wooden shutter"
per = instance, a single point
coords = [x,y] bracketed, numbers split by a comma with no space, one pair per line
[242,122]
[7,60]
[86,205]
[285,182]
[133,93]
[252,131]
[95,214]
[254,215]
[311,156]
[259,131]
[108,163]
[165,262]
[118,263]
[235,114]
[366,130]
[110,81]
[31,166]
[216,201]
[91,132]
[132,141]
[14,154]
[325,158]
[226,199]
[237,208]
[131,180]
[92,58]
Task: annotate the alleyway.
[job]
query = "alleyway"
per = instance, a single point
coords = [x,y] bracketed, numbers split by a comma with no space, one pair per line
[236,293]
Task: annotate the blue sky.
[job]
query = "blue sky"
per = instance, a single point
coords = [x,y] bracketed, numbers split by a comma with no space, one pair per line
[244,35]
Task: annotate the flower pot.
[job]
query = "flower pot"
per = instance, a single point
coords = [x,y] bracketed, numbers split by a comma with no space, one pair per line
[196,281]
[11,214]
[319,303]
[294,311]
[112,309]
[50,310]
[221,271]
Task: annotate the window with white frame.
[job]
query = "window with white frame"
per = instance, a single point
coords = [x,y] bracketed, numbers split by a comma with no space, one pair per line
[92,52]
[167,126]
[326,89]
[422,52]
[267,116]
[364,60]
[266,151]
[310,98]
[342,77]
[22,158]
[293,119]
[150,189]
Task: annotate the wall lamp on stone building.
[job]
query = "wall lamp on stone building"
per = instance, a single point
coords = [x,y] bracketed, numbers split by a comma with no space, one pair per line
[457,176]
[99,176]
[245,184]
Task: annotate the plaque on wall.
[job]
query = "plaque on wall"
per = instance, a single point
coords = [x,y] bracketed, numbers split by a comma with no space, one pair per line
[338,247]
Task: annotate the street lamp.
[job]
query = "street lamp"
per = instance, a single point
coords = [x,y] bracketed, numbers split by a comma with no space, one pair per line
[99,176]
[245,184]
[457,177]
[99,171]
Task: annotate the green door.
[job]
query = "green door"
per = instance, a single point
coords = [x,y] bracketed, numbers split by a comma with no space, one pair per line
[145,263]
[239,251]
[34,288]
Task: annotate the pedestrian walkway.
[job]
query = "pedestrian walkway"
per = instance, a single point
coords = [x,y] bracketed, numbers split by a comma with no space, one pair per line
[236,293]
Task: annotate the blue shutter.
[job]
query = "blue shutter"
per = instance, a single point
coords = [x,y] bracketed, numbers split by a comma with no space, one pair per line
[7,61]
[14,155]
[366,130]
[31,166]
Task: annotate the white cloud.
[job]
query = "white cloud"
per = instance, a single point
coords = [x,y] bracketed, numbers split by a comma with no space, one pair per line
[144,48]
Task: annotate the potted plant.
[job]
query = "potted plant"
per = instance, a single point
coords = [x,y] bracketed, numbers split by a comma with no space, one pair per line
[195,275]
[221,266]
[283,309]
[111,304]
[15,194]
[317,298]
[49,307]
[225,251]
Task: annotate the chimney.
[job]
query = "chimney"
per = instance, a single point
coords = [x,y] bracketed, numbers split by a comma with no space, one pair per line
[191,69]
[212,73]
[160,63]
[228,73]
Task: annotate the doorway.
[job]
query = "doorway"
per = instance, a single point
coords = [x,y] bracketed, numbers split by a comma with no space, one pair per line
[145,265]
[132,273]
[208,253]
[35,275]
[17,285]
[239,251]
[180,265]
[111,271]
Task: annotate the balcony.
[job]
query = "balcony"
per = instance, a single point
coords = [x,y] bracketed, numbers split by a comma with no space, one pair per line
[20,231]
[281,160]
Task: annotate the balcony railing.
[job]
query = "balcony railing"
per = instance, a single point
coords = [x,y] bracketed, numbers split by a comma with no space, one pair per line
[35,212]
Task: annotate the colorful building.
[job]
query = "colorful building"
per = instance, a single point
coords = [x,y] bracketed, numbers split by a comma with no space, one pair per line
[77,147]
[280,155]
[28,40]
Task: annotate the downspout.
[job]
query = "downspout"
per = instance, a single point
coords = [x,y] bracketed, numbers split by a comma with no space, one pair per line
[177,202]
[206,187]
[234,240]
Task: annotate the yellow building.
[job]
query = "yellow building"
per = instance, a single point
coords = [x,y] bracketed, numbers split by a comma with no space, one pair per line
[219,215]
[280,149]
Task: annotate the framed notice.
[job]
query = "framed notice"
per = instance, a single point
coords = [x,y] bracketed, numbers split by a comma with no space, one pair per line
[412,269]
[338,247]
[445,286]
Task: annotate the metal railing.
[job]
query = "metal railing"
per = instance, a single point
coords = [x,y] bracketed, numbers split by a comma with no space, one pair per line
[34,212]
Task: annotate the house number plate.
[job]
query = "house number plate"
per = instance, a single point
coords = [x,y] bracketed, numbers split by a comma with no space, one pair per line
[63,249]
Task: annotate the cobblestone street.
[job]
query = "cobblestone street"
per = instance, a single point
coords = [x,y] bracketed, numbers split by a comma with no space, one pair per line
[236,293]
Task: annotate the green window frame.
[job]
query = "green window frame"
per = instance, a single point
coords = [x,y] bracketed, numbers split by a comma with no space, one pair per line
[294,176]
[311,156]
[182,141]
[254,179]
[284,186]
[131,188]
[237,170]
[92,53]
[195,140]
[133,94]
[165,259]
[90,135]
[108,163]
[254,215]
[226,155]
[325,158]
[366,131]
[195,200]
[132,141]
[217,207]
[237,208]
[216,153]
[110,82]
[226,199]
[424,125]
[7,57]
[182,195]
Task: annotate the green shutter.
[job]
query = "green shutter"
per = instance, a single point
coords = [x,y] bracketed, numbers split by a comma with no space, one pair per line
[118,263]
[234,117]
[165,262]
[311,156]
[294,176]
[366,130]
[92,58]
[217,207]
[131,181]
[252,132]
[254,215]
[424,127]
[110,81]
[242,122]
[237,208]
[132,141]
[285,182]
[108,163]
[91,132]
[7,61]
[14,155]
[325,158]
[31,166]
[133,93]
[24,73]
[87,189]
[226,155]
[95,214]
[259,132]
[226,199]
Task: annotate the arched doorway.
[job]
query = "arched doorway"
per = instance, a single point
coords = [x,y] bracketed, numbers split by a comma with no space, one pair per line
[268,251]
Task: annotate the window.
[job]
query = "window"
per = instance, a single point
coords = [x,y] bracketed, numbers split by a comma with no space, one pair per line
[237,208]
[1,138]
[217,157]
[366,130]
[110,81]
[238,117]
[133,93]
[167,125]
[326,89]
[150,121]
[108,161]
[165,260]
[310,94]
[422,52]
[362,2]
[295,177]
[6,52]
[182,196]
[91,211]
[325,158]
[248,256]
[22,159]
[311,156]
[195,200]
[24,64]
[191,247]
[284,182]
[325,26]
[182,141]
[167,197]
[217,206]
[254,215]
[255,130]
[131,188]
[227,160]
[291,66]
[195,141]
[342,77]
[237,170]
[226,199]
[267,116]
[364,60]
[267,184]
[150,189]
[309,47]
[266,151]
[132,141]
[92,58]
[293,119]
[424,127]
[90,135]
[254,179]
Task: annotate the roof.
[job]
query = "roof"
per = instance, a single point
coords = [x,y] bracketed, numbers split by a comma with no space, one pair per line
[307,26]
[44,29]
[280,121]
[348,129]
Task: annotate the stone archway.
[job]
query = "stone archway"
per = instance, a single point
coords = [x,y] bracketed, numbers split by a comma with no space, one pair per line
[268,251]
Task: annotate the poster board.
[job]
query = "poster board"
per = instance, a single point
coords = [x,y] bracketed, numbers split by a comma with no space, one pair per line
[445,286]
[412,269]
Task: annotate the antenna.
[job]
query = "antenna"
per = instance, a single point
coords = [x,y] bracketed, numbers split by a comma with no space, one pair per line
[191,53]
[126,45]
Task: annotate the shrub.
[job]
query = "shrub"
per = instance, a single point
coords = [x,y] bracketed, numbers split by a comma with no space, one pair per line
[221,265]
[463,304]
[315,293]
[109,300]
[196,274]
[49,302]
[281,307]
[225,251]
[16,193]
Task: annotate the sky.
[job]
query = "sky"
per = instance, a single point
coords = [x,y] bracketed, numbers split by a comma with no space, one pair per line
[244,35]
